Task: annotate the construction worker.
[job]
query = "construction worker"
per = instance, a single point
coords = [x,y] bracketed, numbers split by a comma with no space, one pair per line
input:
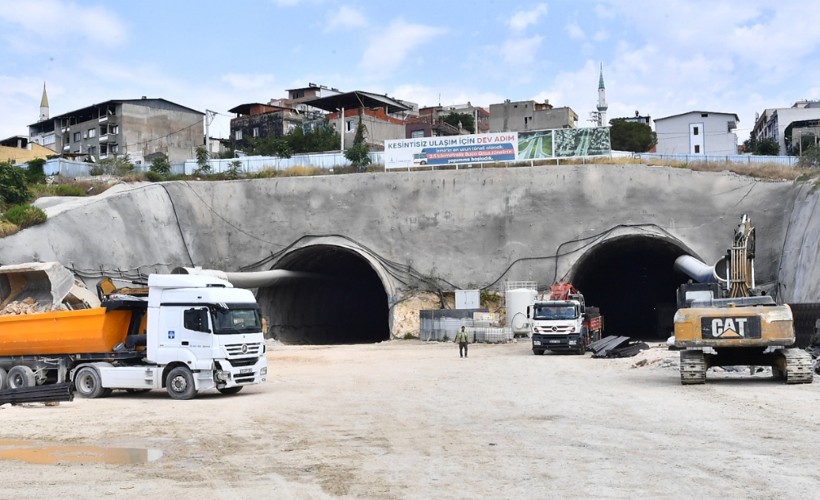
[462,340]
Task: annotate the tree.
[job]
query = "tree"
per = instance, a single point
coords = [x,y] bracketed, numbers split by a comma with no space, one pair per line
[313,139]
[767,147]
[465,119]
[161,165]
[34,172]
[13,189]
[359,154]
[269,146]
[631,136]
[202,165]
[810,157]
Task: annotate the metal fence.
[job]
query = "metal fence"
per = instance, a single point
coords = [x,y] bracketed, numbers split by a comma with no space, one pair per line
[790,161]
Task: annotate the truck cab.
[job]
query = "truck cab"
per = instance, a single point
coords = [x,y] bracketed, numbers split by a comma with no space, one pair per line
[200,333]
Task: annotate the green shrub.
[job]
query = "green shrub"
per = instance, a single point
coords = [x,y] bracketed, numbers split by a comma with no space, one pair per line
[13,189]
[69,190]
[25,216]
[160,166]
[154,176]
[34,172]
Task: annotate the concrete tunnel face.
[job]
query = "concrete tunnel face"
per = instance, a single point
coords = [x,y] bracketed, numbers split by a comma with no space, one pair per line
[343,302]
[632,280]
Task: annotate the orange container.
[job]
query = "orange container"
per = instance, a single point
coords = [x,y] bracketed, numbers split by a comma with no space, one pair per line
[63,332]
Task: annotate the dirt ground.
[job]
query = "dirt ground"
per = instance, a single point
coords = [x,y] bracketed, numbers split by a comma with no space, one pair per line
[407,419]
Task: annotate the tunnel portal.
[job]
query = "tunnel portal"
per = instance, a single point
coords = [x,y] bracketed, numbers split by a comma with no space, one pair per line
[342,302]
[633,281]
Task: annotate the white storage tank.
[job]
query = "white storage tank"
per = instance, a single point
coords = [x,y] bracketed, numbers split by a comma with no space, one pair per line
[517,300]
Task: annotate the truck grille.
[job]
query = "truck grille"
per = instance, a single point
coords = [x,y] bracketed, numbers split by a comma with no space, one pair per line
[244,361]
[250,349]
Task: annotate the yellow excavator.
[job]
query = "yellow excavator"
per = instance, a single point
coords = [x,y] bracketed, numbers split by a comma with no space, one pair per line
[724,320]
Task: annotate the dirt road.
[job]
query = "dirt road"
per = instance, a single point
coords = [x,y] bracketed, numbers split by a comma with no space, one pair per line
[405,419]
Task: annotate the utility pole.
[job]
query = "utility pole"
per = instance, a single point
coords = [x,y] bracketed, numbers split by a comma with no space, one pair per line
[209,117]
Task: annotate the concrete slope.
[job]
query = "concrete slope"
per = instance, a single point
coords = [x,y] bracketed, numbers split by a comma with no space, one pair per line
[799,274]
[465,226]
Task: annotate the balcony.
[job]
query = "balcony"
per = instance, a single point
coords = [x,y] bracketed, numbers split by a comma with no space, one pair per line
[103,119]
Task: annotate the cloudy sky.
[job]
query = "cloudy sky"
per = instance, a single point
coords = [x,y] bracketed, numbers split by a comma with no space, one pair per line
[659,58]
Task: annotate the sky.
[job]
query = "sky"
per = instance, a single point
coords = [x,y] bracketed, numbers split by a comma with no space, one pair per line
[660,58]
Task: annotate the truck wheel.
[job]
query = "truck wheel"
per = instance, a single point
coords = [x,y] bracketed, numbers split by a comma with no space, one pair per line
[538,352]
[21,376]
[87,383]
[180,383]
[230,390]
[4,376]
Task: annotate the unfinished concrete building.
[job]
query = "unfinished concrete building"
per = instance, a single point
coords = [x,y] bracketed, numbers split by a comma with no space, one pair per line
[522,116]
[136,128]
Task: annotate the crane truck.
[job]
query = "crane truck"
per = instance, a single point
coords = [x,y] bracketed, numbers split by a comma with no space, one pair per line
[723,319]
[188,333]
[563,322]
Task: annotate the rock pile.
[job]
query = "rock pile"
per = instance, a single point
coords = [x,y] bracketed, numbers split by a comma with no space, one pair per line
[28,306]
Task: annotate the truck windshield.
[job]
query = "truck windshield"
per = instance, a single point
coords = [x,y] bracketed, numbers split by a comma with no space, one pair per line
[555,312]
[237,318]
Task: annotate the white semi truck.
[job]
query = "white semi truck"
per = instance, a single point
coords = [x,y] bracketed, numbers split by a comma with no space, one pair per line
[191,333]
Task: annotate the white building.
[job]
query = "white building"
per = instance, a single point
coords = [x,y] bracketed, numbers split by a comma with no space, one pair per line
[787,125]
[697,133]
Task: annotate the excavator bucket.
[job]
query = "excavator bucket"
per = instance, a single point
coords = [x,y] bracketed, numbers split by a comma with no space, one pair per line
[48,285]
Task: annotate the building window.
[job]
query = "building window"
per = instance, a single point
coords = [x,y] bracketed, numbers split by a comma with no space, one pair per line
[697,149]
[292,127]
[256,131]
[49,139]
[92,132]
[694,131]
[114,129]
[417,133]
[103,149]
[350,126]
[92,150]
[238,135]
[76,137]
[115,149]
[704,115]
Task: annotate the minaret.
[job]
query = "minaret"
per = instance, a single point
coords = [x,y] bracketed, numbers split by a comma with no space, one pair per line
[602,100]
[44,105]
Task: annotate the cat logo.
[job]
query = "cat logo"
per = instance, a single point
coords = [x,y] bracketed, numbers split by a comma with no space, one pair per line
[732,327]
[728,327]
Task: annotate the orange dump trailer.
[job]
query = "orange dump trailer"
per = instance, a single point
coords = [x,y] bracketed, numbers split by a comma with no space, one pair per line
[94,330]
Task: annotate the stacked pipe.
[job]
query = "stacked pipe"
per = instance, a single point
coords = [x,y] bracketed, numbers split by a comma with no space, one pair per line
[37,394]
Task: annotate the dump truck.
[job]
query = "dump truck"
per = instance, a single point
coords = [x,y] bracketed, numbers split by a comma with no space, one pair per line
[724,319]
[188,333]
[562,321]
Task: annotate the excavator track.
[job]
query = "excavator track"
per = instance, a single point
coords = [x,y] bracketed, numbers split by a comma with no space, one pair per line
[692,367]
[798,366]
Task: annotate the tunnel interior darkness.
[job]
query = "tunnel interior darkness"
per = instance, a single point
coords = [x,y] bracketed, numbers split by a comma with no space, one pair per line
[343,301]
[633,281]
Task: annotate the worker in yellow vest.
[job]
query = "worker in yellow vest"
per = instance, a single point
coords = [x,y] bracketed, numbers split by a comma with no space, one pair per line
[462,340]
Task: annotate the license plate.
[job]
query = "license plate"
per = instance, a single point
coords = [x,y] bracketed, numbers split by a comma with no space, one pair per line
[536,342]
[555,341]
[244,371]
